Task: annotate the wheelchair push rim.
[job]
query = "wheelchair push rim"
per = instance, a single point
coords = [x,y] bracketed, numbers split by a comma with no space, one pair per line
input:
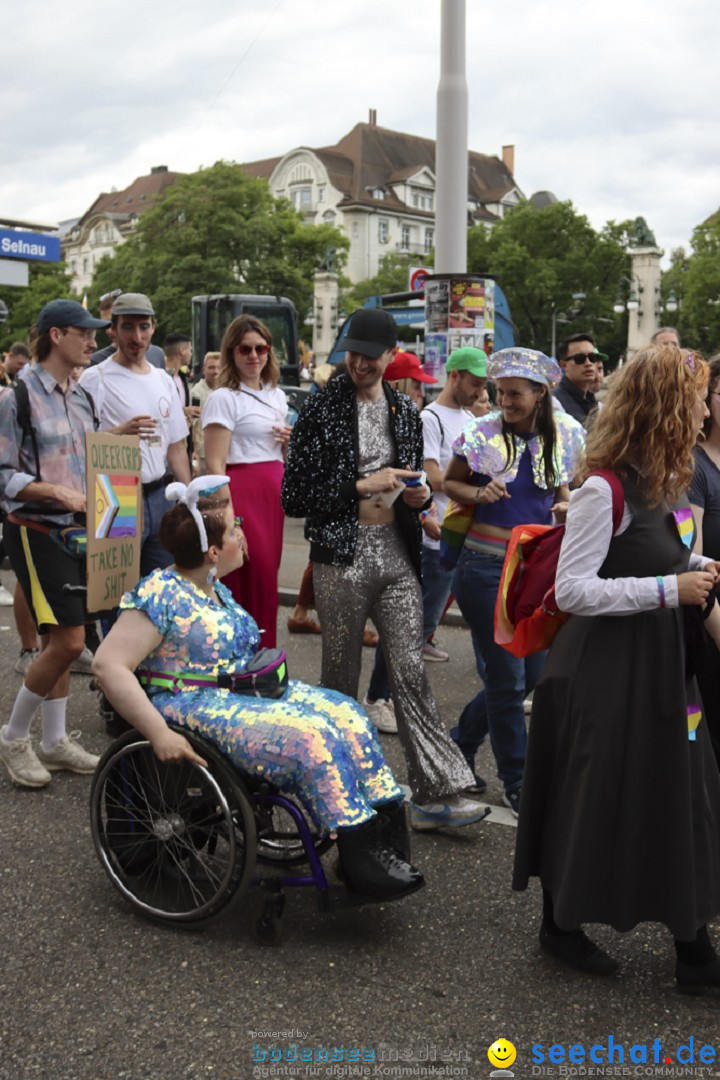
[177,840]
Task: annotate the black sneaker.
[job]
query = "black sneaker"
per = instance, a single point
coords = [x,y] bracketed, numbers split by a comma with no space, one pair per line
[512,799]
[577,950]
[477,787]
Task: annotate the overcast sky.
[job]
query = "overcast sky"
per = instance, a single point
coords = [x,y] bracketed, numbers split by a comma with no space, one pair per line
[613,105]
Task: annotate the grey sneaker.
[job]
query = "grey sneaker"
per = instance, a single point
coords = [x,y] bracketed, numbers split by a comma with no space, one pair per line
[68,754]
[83,664]
[453,813]
[382,715]
[433,654]
[21,761]
[25,659]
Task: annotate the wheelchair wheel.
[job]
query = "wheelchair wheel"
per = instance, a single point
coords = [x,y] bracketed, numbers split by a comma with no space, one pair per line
[278,836]
[177,840]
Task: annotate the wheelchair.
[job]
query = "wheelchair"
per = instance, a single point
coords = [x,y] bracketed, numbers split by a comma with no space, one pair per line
[183,843]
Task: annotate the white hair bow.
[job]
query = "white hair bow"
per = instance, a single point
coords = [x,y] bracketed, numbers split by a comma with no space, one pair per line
[189,495]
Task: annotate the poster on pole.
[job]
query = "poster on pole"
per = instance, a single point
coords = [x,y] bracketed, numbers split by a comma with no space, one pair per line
[114,517]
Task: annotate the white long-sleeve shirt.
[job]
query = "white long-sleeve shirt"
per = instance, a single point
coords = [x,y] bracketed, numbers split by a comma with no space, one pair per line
[588,533]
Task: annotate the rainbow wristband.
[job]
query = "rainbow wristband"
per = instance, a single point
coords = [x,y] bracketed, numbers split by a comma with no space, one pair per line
[661,590]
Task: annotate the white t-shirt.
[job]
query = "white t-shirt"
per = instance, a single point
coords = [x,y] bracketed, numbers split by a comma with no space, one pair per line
[119,394]
[441,426]
[249,416]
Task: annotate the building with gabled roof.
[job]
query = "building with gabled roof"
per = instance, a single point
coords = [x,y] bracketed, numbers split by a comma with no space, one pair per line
[108,222]
[378,186]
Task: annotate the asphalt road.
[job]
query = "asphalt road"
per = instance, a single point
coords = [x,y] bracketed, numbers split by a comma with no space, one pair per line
[89,991]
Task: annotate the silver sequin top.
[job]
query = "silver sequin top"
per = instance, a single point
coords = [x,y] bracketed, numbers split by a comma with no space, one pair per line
[375,443]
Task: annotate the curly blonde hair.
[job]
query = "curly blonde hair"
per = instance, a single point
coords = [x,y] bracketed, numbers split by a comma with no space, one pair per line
[236,331]
[647,420]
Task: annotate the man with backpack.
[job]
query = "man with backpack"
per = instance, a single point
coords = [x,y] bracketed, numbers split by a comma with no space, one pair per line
[42,489]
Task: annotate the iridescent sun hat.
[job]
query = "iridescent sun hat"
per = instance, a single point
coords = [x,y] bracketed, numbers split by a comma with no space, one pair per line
[524,364]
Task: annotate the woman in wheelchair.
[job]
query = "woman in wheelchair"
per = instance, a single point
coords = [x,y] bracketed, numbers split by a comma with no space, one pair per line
[180,623]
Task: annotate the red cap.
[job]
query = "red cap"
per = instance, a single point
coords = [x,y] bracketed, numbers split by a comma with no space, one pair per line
[406,365]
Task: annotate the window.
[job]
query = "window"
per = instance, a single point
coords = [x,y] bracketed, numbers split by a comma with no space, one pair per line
[329,217]
[383,231]
[302,198]
[85,264]
[416,199]
[377,193]
[429,240]
[355,230]
[321,193]
[405,237]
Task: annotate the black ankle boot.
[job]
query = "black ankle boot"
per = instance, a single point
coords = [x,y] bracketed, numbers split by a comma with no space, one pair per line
[394,827]
[370,867]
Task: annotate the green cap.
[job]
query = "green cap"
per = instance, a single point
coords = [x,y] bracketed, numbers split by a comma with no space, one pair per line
[468,359]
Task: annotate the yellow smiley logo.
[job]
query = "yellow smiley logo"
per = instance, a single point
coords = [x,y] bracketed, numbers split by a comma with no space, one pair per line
[502,1054]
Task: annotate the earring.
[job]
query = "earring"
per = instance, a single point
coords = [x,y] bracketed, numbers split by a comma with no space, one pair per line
[212,574]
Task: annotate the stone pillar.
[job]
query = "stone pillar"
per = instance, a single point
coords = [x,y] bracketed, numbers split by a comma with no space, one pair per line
[645,276]
[325,314]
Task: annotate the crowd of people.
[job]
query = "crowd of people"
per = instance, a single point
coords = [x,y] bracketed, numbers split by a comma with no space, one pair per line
[619,775]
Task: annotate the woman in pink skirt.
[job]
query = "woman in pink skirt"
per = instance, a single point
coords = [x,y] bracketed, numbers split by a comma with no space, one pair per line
[246,437]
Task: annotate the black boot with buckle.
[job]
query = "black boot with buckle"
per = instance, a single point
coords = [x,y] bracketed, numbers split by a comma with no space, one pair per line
[370,867]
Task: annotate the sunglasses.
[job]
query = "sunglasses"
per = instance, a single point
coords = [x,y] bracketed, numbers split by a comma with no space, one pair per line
[581,357]
[259,350]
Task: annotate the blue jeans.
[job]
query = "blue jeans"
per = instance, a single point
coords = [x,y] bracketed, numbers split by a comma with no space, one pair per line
[498,708]
[436,586]
[153,556]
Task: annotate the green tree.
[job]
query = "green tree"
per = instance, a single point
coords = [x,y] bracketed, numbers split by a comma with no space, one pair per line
[392,277]
[695,281]
[47,281]
[214,231]
[543,259]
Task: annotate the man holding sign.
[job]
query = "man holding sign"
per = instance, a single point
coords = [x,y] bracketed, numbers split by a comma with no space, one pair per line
[134,398]
[42,488]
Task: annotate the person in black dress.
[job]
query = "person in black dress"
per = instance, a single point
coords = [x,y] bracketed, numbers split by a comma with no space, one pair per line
[620,810]
[705,505]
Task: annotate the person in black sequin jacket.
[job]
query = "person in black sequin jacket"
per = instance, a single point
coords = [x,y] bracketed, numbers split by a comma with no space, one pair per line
[346,452]
[321,471]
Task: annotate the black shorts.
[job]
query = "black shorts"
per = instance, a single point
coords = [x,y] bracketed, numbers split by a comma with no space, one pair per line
[43,567]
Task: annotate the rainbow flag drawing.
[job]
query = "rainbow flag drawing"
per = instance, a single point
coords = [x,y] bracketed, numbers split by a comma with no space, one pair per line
[694,715]
[116,506]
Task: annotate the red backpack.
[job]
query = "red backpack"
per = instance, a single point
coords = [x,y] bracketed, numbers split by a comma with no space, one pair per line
[527,617]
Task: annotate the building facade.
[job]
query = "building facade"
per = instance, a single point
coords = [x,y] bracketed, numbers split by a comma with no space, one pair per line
[378,186]
[107,223]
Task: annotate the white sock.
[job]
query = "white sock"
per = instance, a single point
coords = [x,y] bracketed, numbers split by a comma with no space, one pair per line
[18,726]
[53,721]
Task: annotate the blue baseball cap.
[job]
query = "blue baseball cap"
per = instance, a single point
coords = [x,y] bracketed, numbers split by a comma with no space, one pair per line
[62,313]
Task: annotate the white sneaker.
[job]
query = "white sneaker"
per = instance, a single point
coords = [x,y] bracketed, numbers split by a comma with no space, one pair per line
[527,705]
[26,658]
[68,754]
[6,599]
[382,714]
[83,664]
[433,654]
[21,761]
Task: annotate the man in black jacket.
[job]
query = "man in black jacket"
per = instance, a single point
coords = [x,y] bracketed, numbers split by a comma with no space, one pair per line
[354,472]
[578,358]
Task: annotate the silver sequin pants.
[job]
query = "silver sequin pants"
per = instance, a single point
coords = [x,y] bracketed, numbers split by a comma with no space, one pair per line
[382,584]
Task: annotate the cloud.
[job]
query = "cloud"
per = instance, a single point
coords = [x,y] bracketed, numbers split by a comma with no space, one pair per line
[612,106]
